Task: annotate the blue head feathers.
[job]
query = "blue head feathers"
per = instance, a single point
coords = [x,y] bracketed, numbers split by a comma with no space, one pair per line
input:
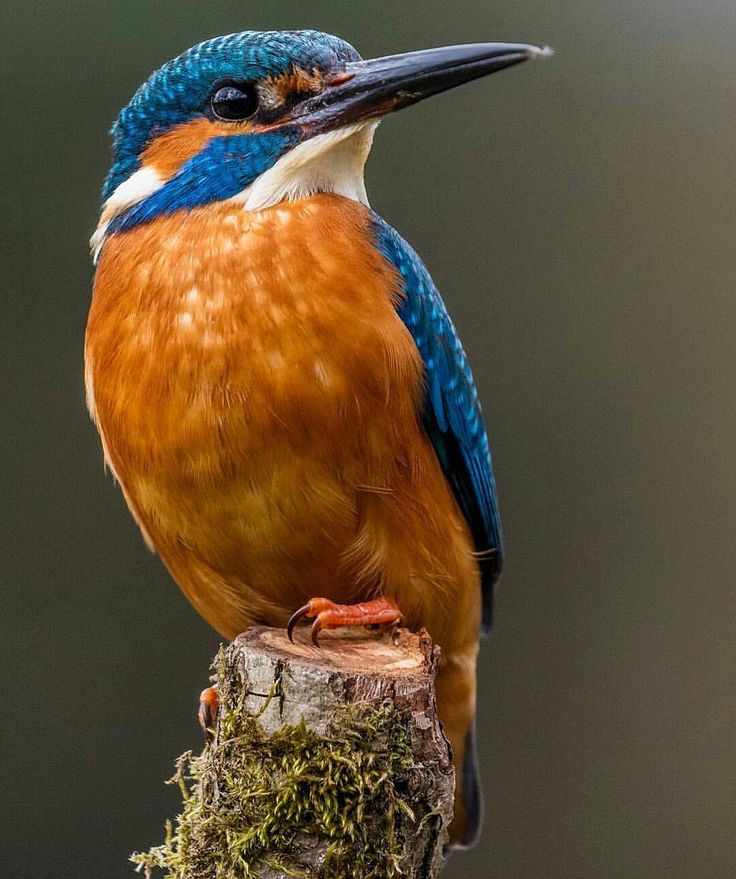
[180,90]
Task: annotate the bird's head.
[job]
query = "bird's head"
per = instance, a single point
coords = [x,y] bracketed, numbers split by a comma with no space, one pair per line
[260,117]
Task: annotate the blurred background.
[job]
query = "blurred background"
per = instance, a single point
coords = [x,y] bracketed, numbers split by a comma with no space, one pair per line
[578,216]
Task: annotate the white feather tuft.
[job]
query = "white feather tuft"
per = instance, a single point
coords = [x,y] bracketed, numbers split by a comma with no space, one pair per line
[138,186]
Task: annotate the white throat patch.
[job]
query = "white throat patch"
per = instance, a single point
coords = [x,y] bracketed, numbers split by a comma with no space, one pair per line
[330,162]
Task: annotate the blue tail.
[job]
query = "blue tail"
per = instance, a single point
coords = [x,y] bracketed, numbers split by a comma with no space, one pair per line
[472,795]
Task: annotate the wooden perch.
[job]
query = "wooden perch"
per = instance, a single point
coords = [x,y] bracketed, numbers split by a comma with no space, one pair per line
[325,763]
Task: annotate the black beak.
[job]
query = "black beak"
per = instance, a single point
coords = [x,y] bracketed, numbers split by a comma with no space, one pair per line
[370,89]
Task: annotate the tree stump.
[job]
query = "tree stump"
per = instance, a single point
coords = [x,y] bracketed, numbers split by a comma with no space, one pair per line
[324,763]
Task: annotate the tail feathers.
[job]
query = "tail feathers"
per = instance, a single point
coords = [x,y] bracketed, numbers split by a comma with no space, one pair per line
[472,796]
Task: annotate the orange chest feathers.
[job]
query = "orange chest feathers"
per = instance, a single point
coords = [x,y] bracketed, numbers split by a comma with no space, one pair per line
[220,340]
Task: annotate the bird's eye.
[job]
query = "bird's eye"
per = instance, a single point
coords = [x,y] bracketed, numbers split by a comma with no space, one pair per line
[233,102]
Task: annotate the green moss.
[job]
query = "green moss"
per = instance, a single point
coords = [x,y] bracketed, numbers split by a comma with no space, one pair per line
[250,799]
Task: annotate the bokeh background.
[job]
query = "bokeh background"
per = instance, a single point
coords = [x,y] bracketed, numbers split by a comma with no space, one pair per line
[579,216]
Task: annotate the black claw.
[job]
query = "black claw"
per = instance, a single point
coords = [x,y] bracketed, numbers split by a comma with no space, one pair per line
[316,629]
[294,619]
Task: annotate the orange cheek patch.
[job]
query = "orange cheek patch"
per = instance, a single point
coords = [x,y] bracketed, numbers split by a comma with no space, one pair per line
[297,81]
[169,151]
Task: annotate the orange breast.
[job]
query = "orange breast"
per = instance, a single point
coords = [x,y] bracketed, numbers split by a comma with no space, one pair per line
[258,400]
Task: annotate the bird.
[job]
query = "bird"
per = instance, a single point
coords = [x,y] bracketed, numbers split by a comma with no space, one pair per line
[278,387]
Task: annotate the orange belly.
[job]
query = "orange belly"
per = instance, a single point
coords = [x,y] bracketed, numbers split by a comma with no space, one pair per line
[258,400]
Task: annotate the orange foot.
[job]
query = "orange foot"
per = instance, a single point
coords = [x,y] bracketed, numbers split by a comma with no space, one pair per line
[328,615]
[209,705]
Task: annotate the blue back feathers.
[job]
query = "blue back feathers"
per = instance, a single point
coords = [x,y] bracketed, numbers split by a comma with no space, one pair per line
[451,412]
[179,91]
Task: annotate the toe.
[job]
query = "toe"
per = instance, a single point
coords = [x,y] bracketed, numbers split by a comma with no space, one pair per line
[209,705]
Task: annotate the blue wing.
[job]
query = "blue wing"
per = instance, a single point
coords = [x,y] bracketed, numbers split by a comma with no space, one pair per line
[451,413]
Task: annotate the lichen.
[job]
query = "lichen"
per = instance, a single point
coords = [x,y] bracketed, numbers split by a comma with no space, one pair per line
[250,800]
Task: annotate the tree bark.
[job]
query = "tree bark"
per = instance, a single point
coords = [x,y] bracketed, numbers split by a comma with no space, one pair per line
[283,684]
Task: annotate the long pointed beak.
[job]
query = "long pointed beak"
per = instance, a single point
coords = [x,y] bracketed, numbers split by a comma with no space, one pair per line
[371,89]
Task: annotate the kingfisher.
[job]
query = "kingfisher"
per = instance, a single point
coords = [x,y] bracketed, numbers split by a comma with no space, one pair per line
[278,388]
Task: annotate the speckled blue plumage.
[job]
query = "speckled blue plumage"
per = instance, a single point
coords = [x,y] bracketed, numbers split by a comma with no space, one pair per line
[451,413]
[179,90]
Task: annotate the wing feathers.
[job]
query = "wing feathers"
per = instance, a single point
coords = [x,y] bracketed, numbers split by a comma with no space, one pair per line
[451,414]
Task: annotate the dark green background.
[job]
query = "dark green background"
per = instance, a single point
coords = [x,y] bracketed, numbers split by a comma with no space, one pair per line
[579,216]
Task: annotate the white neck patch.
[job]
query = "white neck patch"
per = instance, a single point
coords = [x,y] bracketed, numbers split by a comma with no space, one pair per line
[330,162]
[144,182]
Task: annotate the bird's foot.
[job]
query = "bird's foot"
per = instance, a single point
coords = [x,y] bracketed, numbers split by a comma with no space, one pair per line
[329,615]
[209,705]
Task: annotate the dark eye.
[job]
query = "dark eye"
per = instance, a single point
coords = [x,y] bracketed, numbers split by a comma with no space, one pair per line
[232,102]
